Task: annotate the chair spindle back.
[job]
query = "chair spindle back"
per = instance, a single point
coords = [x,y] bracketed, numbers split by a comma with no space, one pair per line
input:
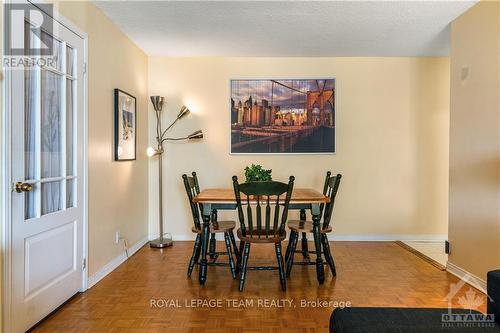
[331,191]
[193,189]
[325,189]
[264,196]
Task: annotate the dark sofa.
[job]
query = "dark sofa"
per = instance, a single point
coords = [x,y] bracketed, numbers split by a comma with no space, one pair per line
[418,320]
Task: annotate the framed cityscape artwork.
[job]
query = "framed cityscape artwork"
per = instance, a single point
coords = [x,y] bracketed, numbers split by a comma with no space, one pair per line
[283,116]
[125,126]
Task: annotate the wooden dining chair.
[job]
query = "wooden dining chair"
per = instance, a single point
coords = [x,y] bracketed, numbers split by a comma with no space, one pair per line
[227,227]
[305,251]
[298,226]
[268,228]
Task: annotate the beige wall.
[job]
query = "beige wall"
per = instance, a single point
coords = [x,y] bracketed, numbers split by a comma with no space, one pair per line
[474,209]
[118,191]
[392,139]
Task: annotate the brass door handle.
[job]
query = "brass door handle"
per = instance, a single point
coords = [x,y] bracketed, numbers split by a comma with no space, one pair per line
[23,187]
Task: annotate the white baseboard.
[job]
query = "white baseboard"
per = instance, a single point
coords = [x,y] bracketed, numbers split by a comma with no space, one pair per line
[387,238]
[467,277]
[440,241]
[189,237]
[113,264]
[344,238]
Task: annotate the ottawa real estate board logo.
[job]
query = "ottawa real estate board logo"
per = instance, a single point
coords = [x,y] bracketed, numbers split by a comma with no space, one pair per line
[468,315]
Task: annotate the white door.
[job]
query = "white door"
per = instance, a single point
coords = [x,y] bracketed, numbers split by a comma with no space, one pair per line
[47,113]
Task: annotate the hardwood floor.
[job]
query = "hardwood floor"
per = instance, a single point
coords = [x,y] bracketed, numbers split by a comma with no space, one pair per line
[368,274]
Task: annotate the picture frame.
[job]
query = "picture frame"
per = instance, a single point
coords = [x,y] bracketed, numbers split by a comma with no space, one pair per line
[125,147]
[282,116]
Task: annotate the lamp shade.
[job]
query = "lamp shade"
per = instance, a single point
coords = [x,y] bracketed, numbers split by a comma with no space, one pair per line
[196,135]
[184,111]
[153,152]
[157,102]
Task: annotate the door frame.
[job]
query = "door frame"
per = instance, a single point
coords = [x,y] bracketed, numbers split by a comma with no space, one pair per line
[6,176]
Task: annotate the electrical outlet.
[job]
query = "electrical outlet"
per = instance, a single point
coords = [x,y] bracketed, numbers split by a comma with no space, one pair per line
[117,237]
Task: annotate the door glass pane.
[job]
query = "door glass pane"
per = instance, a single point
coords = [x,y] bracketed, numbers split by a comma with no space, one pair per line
[27,38]
[51,197]
[54,56]
[69,128]
[30,107]
[30,203]
[51,153]
[70,193]
[70,59]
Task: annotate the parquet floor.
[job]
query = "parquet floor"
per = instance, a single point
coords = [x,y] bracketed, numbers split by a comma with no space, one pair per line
[369,274]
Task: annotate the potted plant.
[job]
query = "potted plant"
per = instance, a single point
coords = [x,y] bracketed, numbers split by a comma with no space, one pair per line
[255,173]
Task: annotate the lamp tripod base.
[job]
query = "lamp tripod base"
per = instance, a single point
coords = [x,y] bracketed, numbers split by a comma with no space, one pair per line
[161,243]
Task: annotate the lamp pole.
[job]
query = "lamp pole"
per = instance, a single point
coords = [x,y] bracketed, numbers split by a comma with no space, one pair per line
[160,196]
[162,242]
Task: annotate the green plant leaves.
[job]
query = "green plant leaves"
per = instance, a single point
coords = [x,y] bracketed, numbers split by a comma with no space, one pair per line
[255,173]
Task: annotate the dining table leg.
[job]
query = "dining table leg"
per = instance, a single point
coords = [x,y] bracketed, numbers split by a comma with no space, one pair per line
[207,210]
[316,217]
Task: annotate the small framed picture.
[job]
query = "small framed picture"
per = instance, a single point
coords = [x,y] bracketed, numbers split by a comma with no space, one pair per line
[125,126]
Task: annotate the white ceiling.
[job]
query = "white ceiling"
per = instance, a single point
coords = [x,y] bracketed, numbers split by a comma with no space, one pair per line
[287,28]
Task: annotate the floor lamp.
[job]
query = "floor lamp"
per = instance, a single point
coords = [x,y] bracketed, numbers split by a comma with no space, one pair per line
[158,101]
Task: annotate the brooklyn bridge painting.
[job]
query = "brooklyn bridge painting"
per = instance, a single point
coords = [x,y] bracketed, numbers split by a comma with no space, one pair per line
[283,116]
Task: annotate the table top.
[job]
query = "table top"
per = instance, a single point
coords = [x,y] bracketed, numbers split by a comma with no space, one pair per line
[226,195]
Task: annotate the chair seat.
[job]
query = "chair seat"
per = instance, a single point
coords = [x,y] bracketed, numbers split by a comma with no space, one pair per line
[254,238]
[305,226]
[218,227]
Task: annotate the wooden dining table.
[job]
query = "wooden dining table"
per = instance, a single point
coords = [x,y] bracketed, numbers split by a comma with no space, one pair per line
[214,199]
